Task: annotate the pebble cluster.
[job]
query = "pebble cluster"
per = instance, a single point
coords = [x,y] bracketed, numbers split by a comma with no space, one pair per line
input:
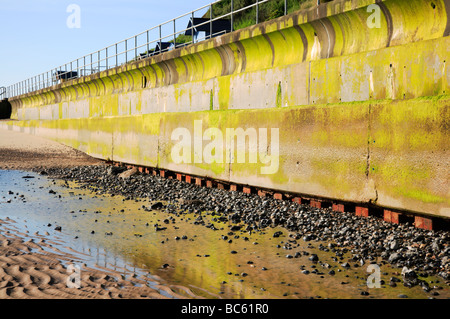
[419,252]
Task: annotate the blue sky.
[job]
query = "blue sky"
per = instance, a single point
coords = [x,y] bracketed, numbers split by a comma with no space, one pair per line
[35,37]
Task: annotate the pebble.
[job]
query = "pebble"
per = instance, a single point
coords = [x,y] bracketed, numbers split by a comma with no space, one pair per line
[364,293]
[370,238]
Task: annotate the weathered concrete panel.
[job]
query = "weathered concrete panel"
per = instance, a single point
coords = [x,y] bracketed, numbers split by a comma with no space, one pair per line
[361,111]
[392,153]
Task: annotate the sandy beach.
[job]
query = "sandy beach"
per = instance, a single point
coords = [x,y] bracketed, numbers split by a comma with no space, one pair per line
[20,151]
[35,268]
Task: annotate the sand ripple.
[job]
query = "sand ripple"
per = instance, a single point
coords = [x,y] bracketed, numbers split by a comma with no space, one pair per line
[30,270]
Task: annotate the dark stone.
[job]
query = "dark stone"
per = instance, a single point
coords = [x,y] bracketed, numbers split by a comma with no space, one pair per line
[364,293]
[277,234]
[394,257]
[158,205]
[395,279]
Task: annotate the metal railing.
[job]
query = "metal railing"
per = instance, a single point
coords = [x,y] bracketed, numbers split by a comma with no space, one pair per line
[2,92]
[148,43]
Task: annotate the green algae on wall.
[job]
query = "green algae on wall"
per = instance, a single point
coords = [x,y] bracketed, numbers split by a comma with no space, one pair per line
[339,164]
[362,113]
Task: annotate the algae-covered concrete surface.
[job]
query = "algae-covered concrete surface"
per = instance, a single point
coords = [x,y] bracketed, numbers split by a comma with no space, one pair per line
[361,110]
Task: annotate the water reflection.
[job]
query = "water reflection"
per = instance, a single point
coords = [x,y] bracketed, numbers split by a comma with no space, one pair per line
[118,234]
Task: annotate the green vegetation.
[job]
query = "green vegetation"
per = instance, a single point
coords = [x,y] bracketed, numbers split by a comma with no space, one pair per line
[266,11]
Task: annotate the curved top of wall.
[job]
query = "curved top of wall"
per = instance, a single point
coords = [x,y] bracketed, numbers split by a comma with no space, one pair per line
[337,28]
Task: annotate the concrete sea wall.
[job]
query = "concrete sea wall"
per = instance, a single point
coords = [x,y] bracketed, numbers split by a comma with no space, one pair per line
[362,110]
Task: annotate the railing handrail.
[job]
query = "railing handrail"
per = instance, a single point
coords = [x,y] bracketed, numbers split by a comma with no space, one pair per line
[97,61]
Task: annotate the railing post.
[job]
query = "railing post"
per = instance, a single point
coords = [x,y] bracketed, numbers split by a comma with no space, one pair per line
[257,11]
[148,46]
[117,57]
[160,38]
[174,34]
[126,51]
[232,20]
[106,58]
[192,27]
[210,21]
[98,60]
[135,48]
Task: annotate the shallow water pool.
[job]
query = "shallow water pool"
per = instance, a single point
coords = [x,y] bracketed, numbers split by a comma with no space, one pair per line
[115,233]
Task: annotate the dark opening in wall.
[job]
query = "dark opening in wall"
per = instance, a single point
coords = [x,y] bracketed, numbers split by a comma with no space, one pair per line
[5,109]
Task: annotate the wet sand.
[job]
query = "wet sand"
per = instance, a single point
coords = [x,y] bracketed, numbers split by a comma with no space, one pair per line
[20,151]
[34,268]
